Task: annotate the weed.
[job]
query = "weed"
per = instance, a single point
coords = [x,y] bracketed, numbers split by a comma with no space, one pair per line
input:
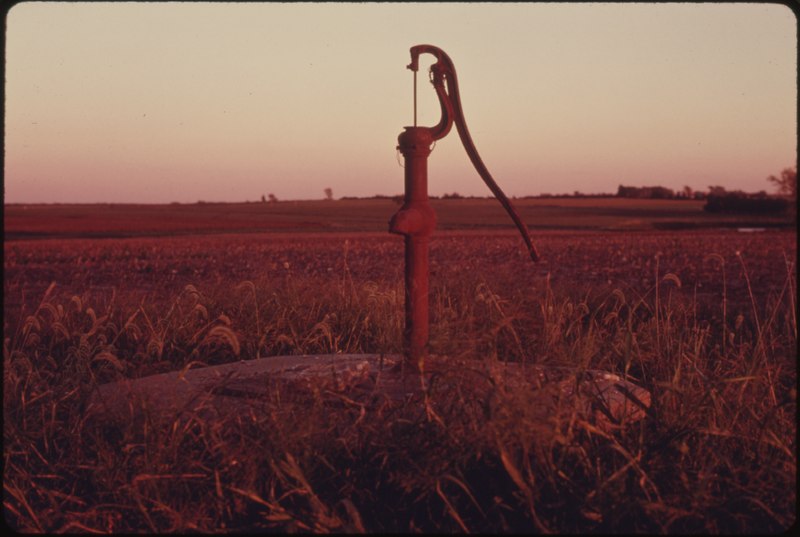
[717,452]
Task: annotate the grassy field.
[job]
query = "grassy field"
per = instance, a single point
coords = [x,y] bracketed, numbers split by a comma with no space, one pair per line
[705,319]
[369,215]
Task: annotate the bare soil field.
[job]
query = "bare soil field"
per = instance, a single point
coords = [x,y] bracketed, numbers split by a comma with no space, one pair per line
[370,215]
[704,319]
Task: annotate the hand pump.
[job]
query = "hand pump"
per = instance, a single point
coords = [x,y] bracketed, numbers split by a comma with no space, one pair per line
[416,219]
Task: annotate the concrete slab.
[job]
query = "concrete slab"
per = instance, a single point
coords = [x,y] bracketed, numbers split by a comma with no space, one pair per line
[246,385]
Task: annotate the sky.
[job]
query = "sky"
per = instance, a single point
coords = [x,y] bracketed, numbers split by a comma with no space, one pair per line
[180,102]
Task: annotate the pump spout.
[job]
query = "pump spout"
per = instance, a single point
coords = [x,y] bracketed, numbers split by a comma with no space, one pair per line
[438,74]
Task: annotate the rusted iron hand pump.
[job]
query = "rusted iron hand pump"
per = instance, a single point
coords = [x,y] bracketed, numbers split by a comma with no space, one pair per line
[416,219]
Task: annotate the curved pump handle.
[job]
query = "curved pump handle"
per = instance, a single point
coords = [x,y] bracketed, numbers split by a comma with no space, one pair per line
[443,71]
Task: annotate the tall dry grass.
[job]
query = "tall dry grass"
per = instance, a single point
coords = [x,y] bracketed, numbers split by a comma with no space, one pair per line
[717,452]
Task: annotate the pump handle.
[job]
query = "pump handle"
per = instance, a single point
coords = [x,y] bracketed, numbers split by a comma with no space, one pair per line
[443,71]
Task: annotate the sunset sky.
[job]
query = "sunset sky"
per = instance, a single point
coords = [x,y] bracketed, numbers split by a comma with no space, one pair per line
[155,103]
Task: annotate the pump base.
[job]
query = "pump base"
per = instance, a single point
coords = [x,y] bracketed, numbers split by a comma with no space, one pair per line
[247,387]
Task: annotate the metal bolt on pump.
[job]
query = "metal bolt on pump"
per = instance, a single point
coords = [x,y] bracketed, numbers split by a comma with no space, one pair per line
[416,219]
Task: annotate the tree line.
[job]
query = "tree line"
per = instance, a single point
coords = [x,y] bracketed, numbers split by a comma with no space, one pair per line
[720,200]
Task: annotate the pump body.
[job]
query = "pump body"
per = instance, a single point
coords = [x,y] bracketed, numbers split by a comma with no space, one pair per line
[416,219]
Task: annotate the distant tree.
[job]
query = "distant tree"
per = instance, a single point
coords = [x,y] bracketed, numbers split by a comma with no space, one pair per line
[645,192]
[624,191]
[660,192]
[328,194]
[263,198]
[688,193]
[787,188]
[272,198]
[717,191]
[743,203]
[786,183]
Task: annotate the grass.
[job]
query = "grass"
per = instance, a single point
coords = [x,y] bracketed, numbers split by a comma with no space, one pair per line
[717,452]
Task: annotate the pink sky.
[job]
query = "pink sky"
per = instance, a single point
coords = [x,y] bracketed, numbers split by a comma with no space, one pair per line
[154,103]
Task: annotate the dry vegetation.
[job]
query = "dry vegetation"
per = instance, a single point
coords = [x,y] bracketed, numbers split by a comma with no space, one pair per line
[704,320]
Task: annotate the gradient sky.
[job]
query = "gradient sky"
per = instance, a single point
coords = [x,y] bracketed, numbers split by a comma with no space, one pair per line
[155,103]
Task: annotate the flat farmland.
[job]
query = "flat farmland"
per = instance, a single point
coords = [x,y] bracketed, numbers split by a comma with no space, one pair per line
[704,318]
[121,220]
